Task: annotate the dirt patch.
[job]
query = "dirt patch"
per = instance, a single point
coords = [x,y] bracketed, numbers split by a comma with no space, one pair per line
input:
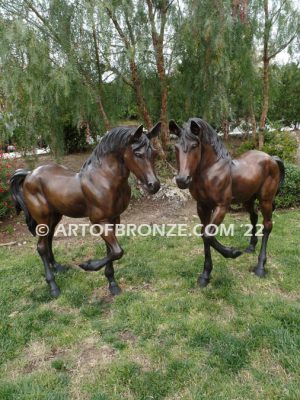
[102,295]
[128,337]
[37,356]
[90,356]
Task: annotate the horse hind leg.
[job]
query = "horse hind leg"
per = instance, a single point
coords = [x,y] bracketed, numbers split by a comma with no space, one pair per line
[55,265]
[253,219]
[43,250]
[109,272]
[266,209]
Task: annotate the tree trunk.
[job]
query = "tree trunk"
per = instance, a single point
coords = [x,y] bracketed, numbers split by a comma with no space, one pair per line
[98,97]
[129,44]
[265,108]
[158,45]
[253,124]
[102,113]
[165,137]
[143,109]
[225,129]
[266,61]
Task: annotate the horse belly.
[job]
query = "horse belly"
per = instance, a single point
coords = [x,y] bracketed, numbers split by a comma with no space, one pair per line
[64,195]
[246,183]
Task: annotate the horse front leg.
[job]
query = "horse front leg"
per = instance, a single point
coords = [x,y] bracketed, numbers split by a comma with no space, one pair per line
[266,209]
[115,253]
[204,215]
[55,265]
[109,270]
[216,219]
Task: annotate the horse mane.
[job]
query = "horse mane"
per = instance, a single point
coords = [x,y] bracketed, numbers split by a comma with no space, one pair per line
[209,136]
[114,141]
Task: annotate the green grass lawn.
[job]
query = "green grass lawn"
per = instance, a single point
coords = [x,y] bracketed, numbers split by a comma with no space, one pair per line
[163,337]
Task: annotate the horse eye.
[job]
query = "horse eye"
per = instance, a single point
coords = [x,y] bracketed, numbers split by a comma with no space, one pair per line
[138,155]
[194,145]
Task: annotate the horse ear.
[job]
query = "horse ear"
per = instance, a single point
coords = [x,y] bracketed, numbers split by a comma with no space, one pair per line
[154,131]
[135,136]
[195,128]
[174,128]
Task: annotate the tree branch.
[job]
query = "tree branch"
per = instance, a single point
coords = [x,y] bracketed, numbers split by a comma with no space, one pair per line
[282,47]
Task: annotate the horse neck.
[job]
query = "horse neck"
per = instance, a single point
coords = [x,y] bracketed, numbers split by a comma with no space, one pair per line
[208,156]
[112,169]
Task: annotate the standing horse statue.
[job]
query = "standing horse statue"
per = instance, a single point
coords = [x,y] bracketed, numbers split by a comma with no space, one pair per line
[99,191]
[215,180]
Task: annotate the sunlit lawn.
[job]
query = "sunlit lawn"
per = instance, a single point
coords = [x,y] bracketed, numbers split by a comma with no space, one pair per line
[163,337]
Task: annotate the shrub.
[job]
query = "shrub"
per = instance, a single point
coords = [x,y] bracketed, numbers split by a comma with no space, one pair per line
[281,144]
[7,168]
[245,146]
[289,195]
[74,139]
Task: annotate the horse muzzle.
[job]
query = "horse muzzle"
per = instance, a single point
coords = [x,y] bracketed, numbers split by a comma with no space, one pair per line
[183,182]
[153,186]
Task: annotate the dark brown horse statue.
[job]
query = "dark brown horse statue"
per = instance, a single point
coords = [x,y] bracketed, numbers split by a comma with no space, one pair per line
[215,180]
[99,191]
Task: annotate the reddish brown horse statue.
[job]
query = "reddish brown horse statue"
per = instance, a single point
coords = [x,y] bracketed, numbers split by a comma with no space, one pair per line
[215,180]
[99,191]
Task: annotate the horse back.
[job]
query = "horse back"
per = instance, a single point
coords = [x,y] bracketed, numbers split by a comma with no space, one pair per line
[255,174]
[54,188]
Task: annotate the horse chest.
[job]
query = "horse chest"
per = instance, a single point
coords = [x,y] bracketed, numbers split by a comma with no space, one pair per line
[122,199]
[209,189]
[201,188]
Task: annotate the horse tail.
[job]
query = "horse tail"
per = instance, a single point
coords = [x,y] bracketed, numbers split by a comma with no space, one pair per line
[16,189]
[280,164]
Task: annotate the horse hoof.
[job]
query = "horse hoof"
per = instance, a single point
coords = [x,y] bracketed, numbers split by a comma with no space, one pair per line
[260,272]
[203,282]
[55,293]
[235,253]
[85,266]
[114,289]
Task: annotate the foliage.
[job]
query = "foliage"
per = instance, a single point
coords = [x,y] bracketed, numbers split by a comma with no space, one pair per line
[7,167]
[74,139]
[277,143]
[246,145]
[289,195]
[201,82]
[136,192]
[67,63]
[285,105]
[240,334]
[281,144]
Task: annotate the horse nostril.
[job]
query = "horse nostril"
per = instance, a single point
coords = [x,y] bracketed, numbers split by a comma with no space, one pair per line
[153,186]
[183,181]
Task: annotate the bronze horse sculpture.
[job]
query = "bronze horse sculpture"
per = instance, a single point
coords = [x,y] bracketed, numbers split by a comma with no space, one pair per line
[100,191]
[215,180]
